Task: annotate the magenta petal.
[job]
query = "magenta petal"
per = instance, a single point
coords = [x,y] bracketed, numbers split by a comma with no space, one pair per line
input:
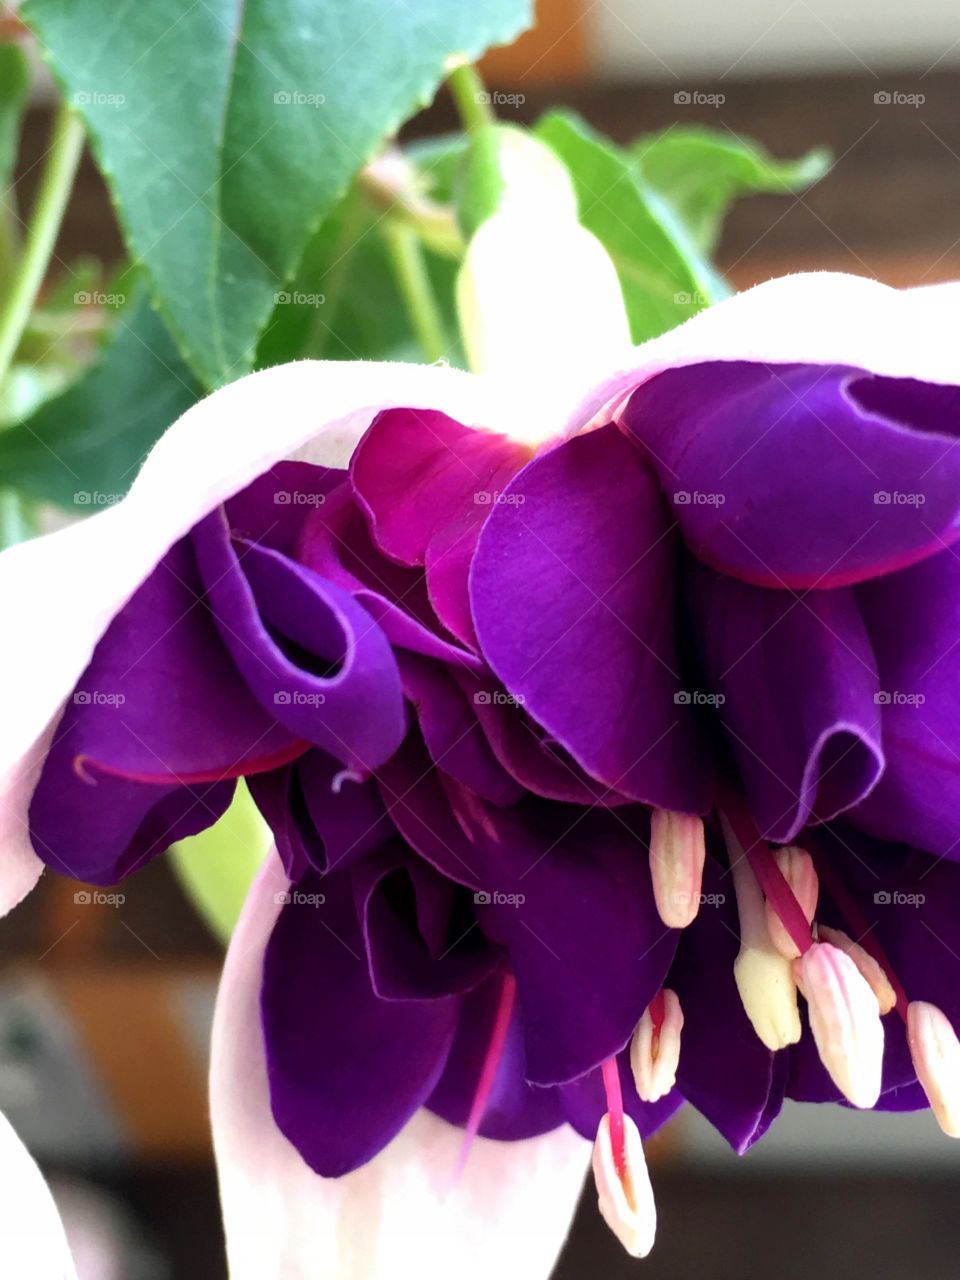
[573,597]
[803,475]
[796,682]
[428,483]
[336,543]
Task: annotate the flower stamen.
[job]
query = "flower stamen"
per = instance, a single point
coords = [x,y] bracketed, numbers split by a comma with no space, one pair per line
[845,1021]
[624,1194]
[763,976]
[796,867]
[655,1049]
[935,1051]
[677,854]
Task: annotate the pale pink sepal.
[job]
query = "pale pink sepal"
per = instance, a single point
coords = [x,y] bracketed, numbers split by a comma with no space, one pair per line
[33,1245]
[61,591]
[399,1215]
[818,317]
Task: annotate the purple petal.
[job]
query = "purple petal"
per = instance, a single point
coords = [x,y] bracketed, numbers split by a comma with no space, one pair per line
[585,1103]
[346,1069]
[515,1109]
[318,816]
[725,1071]
[803,475]
[914,622]
[428,483]
[537,763]
[451,730]
[275,507]
[158,726]
[573,597]
[308,651]
[421,938]
[335,542]
[797,682]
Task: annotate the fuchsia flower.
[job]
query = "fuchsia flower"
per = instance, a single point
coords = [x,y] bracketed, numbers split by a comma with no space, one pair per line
[599,747]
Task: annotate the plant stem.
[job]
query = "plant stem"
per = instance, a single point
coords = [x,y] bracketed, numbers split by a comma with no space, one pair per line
[55,185]
[470,98]
[411,272]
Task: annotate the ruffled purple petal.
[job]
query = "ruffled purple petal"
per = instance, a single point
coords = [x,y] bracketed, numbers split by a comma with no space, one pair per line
[803,475]
[428,483]
[346,1069]
[572,592]
[914,622]
[159,725]
[308,651]
[795,683]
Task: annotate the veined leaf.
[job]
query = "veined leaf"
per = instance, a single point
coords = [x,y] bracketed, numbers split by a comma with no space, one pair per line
[229,130]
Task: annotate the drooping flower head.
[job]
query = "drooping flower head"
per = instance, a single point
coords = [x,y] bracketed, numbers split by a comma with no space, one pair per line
[610,764]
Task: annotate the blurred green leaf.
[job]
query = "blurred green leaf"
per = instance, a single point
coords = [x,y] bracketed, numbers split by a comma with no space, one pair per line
[217,867]
[664,278]
[701,171]
[83,447]
[344,303]
[14,86]
[228,132]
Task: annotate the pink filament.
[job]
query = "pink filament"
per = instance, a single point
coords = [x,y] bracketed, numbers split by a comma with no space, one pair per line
[611,1085]
[771,879]
[488,1072]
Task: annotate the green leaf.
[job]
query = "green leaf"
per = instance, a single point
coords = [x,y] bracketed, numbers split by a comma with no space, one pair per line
[228,132]
[663,276]
[701,171]
[14,86]
[82,448]
[217,867]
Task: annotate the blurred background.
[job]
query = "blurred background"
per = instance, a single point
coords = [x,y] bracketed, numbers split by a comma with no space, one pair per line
[105,999]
